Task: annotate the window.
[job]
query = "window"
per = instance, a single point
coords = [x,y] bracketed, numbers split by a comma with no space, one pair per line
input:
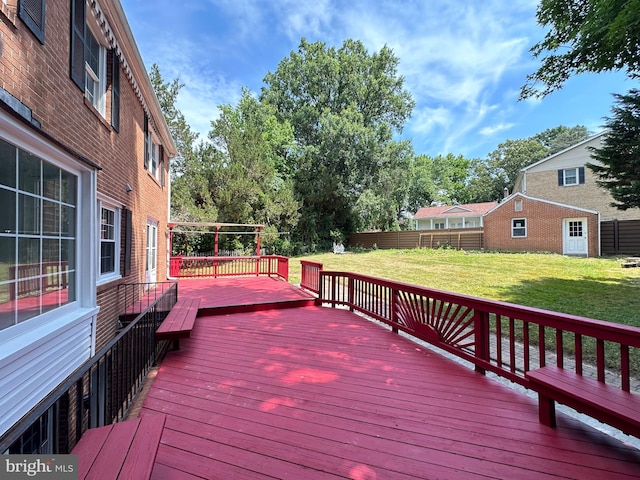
[36,440]
[95,66]
[152,251]
[109,242]
[151,150]
[570,176]
[518,227]
[438,225]
[575,229]
[517,205]
[88,65]
[31,12]
[37,236]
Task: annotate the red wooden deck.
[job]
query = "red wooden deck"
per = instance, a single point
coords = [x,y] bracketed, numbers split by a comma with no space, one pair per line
[234,293]
[315,392]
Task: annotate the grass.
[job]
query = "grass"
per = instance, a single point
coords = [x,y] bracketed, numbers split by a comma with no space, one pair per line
[591,287]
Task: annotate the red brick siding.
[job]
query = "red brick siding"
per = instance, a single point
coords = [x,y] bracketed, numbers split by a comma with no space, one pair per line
[38,76]
[544,227]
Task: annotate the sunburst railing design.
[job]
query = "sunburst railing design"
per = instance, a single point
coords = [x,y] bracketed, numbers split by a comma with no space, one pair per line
[438,321]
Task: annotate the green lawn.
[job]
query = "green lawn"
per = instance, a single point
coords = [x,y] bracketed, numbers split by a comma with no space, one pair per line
[592,287]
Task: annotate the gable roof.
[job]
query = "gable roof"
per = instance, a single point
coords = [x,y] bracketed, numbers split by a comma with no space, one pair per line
[469,209]
[561,152]
[542,200]
[523,171]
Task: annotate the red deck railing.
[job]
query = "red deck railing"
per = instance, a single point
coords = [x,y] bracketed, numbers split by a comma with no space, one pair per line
[499,337]
[192,267]
[310,275]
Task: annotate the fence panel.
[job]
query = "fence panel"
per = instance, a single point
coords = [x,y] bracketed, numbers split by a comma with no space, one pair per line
[460,239]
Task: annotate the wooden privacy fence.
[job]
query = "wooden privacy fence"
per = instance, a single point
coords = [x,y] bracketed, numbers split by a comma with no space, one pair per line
[458,238]
[620,237]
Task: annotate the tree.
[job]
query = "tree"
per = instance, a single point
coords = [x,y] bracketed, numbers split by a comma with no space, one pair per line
[618,169]
[344,105]
[593,36]
[558,138]
[489,178]
[183,136]
[248,178]
[190,196]
[509,158]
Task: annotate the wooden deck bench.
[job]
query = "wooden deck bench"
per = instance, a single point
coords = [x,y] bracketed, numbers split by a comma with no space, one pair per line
[122,450]
[603,402]
[179,322]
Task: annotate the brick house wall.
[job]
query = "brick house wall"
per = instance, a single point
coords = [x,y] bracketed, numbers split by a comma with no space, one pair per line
[540,180]
[38,77]
[544,226]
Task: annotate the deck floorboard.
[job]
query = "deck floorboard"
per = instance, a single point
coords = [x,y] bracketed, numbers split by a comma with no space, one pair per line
[317,392]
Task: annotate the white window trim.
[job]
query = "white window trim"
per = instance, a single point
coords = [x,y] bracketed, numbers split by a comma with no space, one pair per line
[517,205]
[109,204]
[153,152]
[513,227]
[99,101]
[22,137]
[564,177]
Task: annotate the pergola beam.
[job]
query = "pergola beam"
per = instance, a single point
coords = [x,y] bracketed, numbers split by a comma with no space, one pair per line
[217,226]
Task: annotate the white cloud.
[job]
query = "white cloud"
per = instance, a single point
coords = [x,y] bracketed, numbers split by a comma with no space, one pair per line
[304,19]
[461,60]
[493,129]
[205,88]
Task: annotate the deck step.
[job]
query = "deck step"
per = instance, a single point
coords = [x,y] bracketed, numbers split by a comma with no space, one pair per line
[122,450]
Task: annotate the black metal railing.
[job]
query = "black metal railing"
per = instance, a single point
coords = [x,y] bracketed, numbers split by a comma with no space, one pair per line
[102,390]
[134,298]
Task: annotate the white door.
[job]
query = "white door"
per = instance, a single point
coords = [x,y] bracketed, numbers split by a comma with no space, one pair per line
[575,236]
[152,252]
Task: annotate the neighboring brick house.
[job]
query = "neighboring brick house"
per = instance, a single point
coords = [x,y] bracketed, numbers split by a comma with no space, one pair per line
[84,157]
[565,178]
[525,224]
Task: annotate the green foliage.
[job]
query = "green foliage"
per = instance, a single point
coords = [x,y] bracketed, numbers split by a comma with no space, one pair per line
[344,105]
[559,138]
[489,178]
[248,175]
[584,36]
[190,196]
[618,169]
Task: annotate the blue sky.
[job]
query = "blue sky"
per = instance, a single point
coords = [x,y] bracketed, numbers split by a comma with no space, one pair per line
[463,61]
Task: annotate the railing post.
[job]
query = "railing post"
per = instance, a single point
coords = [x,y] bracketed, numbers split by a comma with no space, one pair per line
[393,314]
[351,293]
[481,335]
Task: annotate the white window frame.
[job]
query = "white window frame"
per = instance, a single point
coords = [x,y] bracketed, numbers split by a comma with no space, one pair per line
[153,153]
[98,97]
[85,293]
[106,204]
[516,228]
[564,177]
[517,205]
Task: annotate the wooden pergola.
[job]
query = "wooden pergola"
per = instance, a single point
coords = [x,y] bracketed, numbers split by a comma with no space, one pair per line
[217,226]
